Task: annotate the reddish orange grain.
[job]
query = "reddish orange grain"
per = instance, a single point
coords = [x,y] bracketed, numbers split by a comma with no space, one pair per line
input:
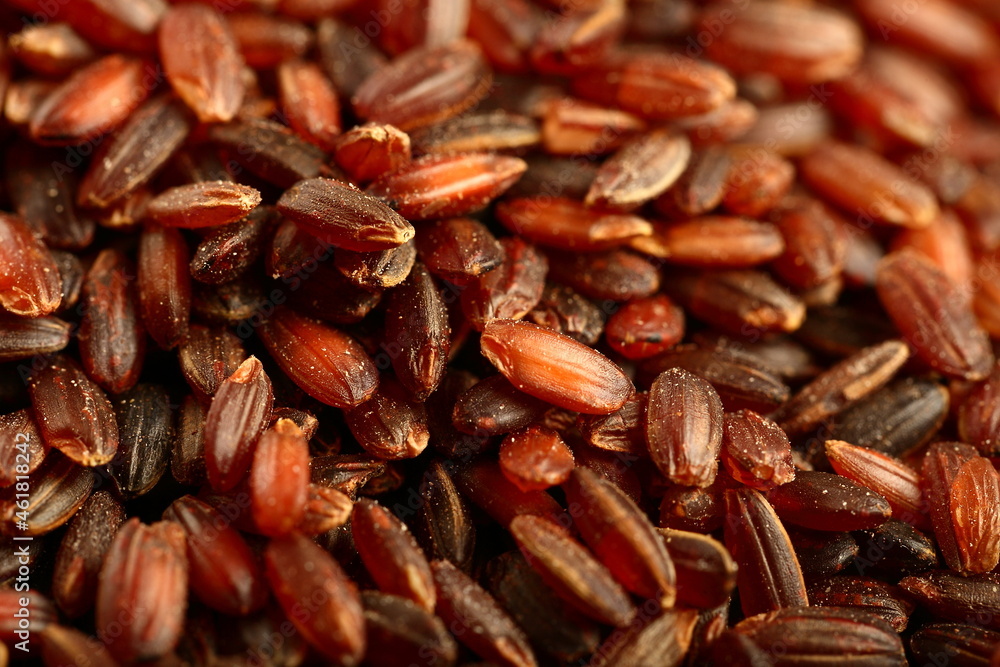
[554,367]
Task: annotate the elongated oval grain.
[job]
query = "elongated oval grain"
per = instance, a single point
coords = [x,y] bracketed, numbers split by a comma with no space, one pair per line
[706,573]
[910,114]
[702,185]
[611,275]
[657,85]
[444,434]
[70,277]
[897,419]
[548,621]
[871,595]
[796,43]
[930,313]
[266,39]
[441,186]
[130,157]
[565,223]
[684,427]
[730,121]
[975,515]
[379,268]
[579,39]
[129,25]
[309,102]
[740,382]
[906,550]
[42,194]
[206,204]
[571,571]
[389,425]
[489,131]
[391,554]
[966,640]
[72,413]
[326,363]
[554,367]
[141,554]
[19,440]
[443,525]
[941,463]
[622,536]
[945,242]
[269,150]
[485,485]
[842,385]
[398,630]
[477,620]
[868,186]
[505,30]
[279,479]
[332,297]
[640,171]
[326,510]
[424,86]
[300,572]
[890,477]
[755,451]
[663,638]
[942,28]
[957,597]
[769,576]
[54,49]
[239,413]
[230,303]
[145,429]
[742,303]
[979,415]
[58,488]
[111,337]
[511,289]
[82,552]
[713,242]
[494,406]
[164,285]
[202,61]
[573,127]
[458,250]
[621,431]
[228,251]
[815,635]
[187,459]
[814,250]
[207,357]
[224,573]
[30,284]
[821,501]
[94,100]
[417,323]
[344,216]
[292,249]
[23,337]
